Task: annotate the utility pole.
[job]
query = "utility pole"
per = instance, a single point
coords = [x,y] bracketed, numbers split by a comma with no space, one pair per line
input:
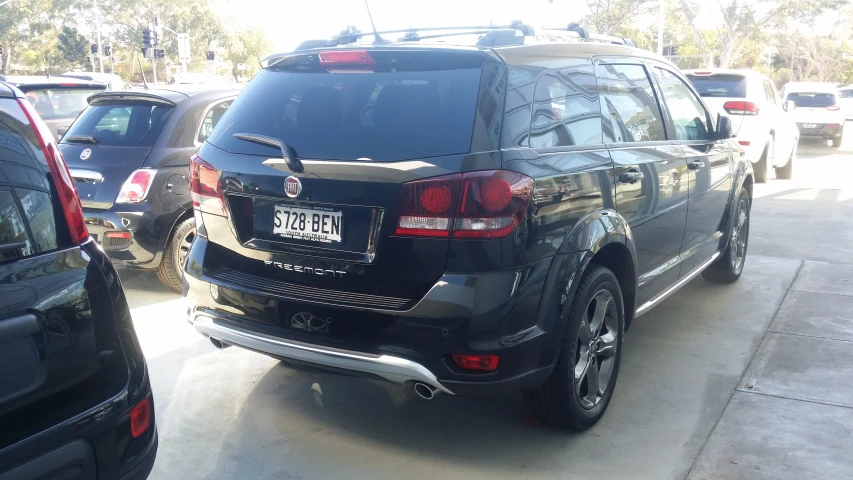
[661,21]
[98,30]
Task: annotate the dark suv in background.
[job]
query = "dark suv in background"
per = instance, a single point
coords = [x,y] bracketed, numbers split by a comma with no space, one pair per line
[462,220]
[75,400]
[129,153]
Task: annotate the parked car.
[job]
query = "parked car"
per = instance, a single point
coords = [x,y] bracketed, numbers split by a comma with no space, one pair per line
[111,80]
[75,400]
[57,100]
[194,78]
[845,99]
[129,153]
[817,110]
[764,128]
[376,209]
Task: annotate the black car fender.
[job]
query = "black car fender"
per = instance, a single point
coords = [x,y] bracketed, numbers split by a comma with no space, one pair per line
[742,177]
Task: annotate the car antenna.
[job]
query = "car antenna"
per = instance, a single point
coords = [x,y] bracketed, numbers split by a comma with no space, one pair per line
[142,71]
[377,39]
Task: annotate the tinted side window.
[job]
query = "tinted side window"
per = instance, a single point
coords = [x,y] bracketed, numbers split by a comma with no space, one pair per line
[688,115]
[768,92]
[630,111]
[14,241]
[566,109]
[211,118]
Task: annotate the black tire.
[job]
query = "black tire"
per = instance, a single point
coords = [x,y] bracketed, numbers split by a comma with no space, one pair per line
[762,168]
[728,266]
[171,269]
[786,172]
[559,401]
[836,142]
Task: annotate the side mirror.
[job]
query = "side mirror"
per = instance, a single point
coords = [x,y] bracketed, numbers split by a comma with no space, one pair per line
[790,106]
[60,131]
[724,127]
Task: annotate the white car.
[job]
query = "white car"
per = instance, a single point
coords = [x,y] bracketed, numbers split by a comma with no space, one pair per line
[845,95]
[763,127]
[112,81]
[818,110]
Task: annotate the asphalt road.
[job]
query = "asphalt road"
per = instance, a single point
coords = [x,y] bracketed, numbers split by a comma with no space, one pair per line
[751,380]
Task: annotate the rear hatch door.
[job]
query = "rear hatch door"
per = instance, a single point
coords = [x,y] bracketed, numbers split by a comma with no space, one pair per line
[815,108]
[360,128]
[717,89]
[110,140]
[58,104]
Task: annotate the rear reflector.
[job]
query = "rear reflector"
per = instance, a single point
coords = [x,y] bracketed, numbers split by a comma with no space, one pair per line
[744,143]
[346,57]
[482,363]
[741,108]
[140,418]
[62,180]
[117,235]
[832,126]
[204,185]
[833,108]
[136,187]
[489,204]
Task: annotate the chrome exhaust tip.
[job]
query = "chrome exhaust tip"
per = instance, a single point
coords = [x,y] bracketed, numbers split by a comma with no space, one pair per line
[216,343]
[425,391]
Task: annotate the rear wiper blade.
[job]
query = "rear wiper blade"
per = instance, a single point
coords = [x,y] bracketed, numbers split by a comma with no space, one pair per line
[293,164]
[82,139]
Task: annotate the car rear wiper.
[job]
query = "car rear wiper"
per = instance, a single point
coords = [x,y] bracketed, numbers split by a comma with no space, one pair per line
[287,153]
[82,139]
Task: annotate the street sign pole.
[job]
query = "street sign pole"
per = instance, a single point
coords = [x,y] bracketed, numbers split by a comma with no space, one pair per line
[98,29]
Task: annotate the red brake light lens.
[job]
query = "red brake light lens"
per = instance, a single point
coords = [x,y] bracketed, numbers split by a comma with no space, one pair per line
[204,185]
[136,187]
[482,363]
[741,108]
[833,108]
[488,204]
[140,418]
[67,192]
[346,57]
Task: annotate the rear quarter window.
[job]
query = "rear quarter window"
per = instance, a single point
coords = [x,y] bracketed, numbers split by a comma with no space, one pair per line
[136,125]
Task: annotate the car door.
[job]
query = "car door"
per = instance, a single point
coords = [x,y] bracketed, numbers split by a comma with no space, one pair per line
[709,167]
[650,171]
[787,133]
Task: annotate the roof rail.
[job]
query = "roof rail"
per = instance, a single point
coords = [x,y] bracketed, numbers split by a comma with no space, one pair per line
[412,34]
[584,33]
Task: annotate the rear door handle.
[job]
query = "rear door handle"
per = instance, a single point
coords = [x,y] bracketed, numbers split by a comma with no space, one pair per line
[631,176]
[18,327]
[696,165]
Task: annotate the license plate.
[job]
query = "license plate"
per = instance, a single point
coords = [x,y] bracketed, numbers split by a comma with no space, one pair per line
[809,125]
[311,224]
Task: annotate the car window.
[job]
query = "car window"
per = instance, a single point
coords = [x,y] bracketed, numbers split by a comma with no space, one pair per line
[846,93]
[137,125]
[53,103]
[730,86]
[210,119]
[689,117]
[630,110]
[567,110]
[14,241]
[768,92]
[809,99]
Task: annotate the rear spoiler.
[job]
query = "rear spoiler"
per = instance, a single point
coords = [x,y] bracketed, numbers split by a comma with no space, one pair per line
[109,98]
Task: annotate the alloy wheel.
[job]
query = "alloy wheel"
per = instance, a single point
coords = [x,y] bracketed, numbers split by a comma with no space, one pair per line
[184,248]
[595,357]
[739,237]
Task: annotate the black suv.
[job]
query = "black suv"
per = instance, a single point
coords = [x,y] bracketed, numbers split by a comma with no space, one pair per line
[129,153]
[75,402]
[462,220]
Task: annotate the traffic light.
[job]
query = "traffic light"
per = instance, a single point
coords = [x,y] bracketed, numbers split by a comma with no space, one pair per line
[94,49]
[108,50]
[211,55]
[159,53]
[146,38]
[1,50]
[674,50]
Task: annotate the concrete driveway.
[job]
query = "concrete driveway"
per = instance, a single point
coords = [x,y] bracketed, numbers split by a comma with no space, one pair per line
[751,380]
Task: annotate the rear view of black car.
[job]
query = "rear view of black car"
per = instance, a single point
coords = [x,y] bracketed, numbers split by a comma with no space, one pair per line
[75,399]
[465,220]
[129,155]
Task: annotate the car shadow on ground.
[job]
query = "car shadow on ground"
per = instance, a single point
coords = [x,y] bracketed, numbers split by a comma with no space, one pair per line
[143,288]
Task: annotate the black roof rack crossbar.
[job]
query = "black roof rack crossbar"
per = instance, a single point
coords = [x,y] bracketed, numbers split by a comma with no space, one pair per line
[411,34]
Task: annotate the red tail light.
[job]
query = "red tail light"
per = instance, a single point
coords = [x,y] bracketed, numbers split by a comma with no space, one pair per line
[204,185]
[346,57]
[833,108]
[65,188]
[744,143]
[140,418]
[488,204]
[136,187]
[741,108]
[483,363]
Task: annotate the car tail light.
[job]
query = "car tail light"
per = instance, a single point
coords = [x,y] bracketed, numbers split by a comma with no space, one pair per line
[136,187]
[65,188]
[832,126]
[119,235]
[346,57]
[489,204]
[140,418]
[741,108]
[204,185]
[482,363]
[833,108]
[744,143]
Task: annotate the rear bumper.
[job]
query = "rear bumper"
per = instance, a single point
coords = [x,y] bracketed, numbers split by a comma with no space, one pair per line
[822,130]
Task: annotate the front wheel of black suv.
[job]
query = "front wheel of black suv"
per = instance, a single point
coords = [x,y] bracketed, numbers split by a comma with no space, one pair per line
[582,383]
[728,266]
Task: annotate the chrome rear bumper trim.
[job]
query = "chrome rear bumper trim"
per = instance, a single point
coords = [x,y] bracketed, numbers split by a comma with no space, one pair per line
[394,369]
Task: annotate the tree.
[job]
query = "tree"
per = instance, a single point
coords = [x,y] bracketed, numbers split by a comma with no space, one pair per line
[607,16]
[247,47]
[73,46]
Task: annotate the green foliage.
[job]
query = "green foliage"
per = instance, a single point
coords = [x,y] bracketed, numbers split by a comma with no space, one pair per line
[73,47]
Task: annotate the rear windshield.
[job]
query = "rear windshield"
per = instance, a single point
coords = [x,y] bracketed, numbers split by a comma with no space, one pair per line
[53,103]
[846,93]
[136,125]
[805,99]
[380,115]
[733,86]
